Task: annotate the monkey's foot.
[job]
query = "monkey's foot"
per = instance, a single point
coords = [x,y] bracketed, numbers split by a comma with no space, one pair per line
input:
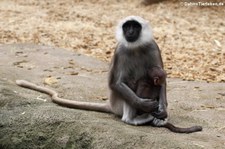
[159,122]
[139,120]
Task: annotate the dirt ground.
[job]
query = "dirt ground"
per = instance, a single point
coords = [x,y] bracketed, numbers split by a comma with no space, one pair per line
[192,38]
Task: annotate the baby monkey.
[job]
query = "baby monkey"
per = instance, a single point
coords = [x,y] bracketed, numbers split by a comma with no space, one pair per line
[149,88]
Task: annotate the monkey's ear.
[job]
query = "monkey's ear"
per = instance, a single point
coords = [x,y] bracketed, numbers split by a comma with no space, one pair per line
[156,81]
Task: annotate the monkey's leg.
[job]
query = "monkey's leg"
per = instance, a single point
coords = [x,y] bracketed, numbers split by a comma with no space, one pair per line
[130,116]
[162,109]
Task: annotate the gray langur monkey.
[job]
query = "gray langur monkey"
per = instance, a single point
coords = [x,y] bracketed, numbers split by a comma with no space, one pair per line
[135,53]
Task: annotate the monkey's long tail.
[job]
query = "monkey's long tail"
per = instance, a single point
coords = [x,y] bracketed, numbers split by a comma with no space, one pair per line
[173,128]
[100,107]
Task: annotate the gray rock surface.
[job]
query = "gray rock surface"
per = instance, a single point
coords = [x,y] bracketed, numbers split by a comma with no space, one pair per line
[29,119]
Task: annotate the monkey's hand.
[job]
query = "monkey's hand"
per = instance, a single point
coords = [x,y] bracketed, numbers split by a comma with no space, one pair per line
[148,105]
[161,112]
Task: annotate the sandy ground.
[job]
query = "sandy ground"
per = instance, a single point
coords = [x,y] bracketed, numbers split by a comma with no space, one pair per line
[192,38]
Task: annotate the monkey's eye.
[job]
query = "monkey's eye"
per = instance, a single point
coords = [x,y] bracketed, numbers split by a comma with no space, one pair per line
[126,27]
[137,25]
[131,25]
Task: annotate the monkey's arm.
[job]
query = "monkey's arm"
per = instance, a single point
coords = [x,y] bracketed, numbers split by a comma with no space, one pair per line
[162,109]
[130,97]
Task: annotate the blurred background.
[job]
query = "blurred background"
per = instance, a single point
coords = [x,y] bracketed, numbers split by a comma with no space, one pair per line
[191,36]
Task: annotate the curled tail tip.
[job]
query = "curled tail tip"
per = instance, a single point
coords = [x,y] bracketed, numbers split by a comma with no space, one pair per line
[195,129]
[199,128]
[23,82]
[19,82]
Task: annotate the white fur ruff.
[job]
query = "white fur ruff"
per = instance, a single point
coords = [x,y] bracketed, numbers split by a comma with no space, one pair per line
[146,34]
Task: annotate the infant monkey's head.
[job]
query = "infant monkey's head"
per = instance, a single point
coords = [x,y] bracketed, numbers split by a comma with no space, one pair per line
[157,75]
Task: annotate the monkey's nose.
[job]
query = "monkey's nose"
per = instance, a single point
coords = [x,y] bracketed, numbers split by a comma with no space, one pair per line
[131,33]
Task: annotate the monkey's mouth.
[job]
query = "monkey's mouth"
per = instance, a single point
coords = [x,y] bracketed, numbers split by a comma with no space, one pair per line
[131,39]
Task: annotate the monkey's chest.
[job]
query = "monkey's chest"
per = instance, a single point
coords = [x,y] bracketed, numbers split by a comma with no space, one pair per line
[136,71]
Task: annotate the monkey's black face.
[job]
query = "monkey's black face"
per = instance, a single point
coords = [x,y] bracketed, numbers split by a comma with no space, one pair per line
[131,30]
